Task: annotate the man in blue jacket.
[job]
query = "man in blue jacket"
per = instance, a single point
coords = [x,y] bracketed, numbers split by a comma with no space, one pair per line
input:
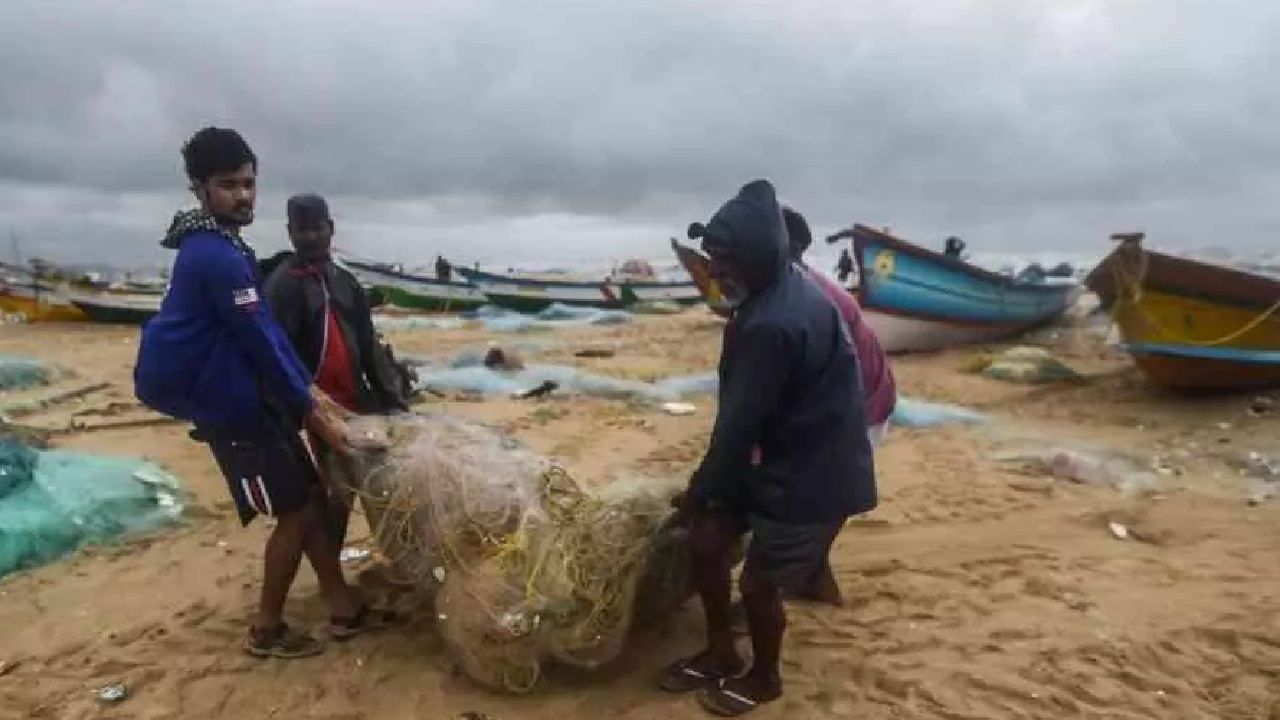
[215,356]
[790,385]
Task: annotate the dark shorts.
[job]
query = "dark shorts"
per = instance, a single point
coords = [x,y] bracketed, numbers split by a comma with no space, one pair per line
[788,555]
[270,476]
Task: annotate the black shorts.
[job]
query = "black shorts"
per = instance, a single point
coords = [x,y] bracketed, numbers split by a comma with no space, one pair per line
[272,476]
[788,555]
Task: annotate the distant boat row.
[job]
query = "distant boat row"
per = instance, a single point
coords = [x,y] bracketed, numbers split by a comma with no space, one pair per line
[40,297]
[1188,324]
[515,292]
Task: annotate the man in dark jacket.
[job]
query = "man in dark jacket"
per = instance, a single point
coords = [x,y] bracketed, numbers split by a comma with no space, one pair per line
[789,384]
[325,314]
[215,356]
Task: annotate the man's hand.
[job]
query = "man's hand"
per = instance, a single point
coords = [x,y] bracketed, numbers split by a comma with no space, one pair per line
[326,421]
[683,506]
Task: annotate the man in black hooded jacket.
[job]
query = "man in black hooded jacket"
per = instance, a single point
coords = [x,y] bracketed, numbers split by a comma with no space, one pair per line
[325,314]
[789,384]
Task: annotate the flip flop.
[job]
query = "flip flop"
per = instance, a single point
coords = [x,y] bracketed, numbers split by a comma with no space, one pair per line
[683,677]
[724,701]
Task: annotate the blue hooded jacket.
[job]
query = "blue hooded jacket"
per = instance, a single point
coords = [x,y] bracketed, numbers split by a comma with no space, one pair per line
[789,383]
[215,355]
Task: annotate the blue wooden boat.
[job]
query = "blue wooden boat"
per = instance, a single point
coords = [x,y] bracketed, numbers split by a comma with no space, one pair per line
[918,299]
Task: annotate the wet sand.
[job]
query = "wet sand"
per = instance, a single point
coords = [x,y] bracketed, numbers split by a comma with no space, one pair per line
[975,591]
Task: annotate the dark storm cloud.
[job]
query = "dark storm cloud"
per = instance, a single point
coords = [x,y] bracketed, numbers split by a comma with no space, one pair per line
[1013,118]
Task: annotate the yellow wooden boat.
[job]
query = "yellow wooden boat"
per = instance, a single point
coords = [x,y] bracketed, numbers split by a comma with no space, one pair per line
[699,268]
[37,302]
[1192,325]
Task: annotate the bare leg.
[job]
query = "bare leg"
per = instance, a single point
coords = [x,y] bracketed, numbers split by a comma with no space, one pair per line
[322,552]
[281,558]
[767,619]
[710,541]
[823,588]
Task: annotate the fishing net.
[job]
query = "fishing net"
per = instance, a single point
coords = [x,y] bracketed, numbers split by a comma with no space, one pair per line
[52,502]
[17,373]
[525,562]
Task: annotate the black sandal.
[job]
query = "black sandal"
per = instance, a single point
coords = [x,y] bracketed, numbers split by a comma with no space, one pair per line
[365,620]
[682,677]
[725,701]
[282,642]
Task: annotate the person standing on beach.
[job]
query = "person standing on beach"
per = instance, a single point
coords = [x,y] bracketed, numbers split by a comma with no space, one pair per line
[844,266]
[323,311]
[789,384]
[877,375]
[215,356]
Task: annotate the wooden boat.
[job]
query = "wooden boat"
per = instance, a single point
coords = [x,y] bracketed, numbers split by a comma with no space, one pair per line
[699,268]
[531,295]
[1189,324]
[117,307]
[415,292]
[36,301]
[918,299]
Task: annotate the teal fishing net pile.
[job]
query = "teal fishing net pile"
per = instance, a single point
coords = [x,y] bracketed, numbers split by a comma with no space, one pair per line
[487,381]
[18,373]
[52,502]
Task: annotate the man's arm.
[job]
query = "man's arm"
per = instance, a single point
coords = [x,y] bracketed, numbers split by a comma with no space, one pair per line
[754,385]
[229,281]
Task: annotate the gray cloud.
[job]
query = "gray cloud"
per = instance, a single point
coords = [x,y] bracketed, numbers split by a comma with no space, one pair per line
[503,130]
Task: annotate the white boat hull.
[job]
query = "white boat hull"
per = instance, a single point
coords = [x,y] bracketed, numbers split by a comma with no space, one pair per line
[901,333]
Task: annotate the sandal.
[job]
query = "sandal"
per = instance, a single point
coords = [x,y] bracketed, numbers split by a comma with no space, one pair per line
[725,701]
[282,642]
[366,619]
[682,676]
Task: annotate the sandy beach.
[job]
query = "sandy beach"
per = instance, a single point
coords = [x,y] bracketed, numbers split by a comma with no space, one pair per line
[977,590]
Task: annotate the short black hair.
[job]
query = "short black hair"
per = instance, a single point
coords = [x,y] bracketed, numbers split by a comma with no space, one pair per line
[797,231]
[214,150]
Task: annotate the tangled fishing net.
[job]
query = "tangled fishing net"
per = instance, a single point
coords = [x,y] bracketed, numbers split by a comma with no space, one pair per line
[526,563]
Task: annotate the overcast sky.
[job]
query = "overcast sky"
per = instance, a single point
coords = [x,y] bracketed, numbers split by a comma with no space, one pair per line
[567,130]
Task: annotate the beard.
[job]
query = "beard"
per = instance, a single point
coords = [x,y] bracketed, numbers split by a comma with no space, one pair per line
[238,216]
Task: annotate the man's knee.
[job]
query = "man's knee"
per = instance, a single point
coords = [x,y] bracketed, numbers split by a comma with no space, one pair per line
[709,538]
[756,587]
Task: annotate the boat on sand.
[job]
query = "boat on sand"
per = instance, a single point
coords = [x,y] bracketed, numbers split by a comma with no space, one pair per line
[1191,324]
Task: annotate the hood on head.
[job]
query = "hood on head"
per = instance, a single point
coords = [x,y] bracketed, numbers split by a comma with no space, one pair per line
[749,231]
[186,222]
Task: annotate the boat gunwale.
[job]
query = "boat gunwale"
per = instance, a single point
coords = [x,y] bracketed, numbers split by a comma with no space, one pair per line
[863,235]
[1231,354]
[480,276]
[1190,278]
[424,279]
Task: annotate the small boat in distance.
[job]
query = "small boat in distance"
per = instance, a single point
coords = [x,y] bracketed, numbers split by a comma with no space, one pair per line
[34,297]
[415,292]
[917,299]
[1191,324]
[527,294]
[116,306]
